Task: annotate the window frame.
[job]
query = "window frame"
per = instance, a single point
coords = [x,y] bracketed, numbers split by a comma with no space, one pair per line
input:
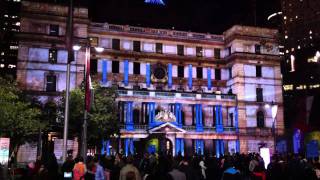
[217,53]
[259,94]
[137,46]
[216,74]
[53,31]
[199,51]
[258,71]
[53,86]
[230,72]
[180,50]
[159,48]
[115,44]
[93,66]
[260,119]
[199,72]
[53,55]
[257,48]
[180,69]
[136,65]
[113,68]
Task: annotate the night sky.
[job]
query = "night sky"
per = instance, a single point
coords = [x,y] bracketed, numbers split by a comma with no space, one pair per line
[212,16]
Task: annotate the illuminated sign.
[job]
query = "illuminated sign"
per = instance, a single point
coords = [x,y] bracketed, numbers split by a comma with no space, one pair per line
[288,87]
[315,59]
[4,150]
[265,154]
[158,2]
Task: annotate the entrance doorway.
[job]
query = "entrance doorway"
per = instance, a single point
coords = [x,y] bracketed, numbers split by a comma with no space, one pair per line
[158,143]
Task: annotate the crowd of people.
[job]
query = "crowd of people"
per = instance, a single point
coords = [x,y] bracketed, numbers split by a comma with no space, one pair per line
[164,167]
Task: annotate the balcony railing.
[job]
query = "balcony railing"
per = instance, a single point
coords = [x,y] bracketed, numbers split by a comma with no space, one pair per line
[254,131]
[158,32]
[209,128]
[168,94]
[249,131]
[187,128]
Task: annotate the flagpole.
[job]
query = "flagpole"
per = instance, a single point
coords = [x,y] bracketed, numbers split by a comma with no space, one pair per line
[87,104]
[69,45]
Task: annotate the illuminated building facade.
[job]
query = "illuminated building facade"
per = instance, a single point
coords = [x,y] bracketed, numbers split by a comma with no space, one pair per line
[301,37]
[214,87]
[301,70]
[9,26]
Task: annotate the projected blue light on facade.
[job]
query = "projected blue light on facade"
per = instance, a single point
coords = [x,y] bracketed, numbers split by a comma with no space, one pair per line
[158,2]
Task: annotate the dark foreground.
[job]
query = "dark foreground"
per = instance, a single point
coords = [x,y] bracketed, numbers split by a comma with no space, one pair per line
[162,167]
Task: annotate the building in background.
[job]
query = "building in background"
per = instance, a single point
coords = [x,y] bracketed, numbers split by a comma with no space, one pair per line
[42,61]
[179,92]
[301,65]
[298,24]
[9,26]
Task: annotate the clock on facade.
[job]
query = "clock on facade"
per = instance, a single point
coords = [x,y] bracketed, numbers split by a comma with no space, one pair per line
[159,73]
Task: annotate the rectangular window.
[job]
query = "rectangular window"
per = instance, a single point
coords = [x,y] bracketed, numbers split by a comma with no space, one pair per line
[136,46]
[230,120]
[115,66]
[259,92]
[216,53]
[199,72]
[217,73]
[159,48]
[54,30]
[180,71]
[199,51]
[180,50]
[94,41]
[93,66]
[229,51]
[51,83]
[230,73]
[136,68]
[257,49]
[258,71]
[53,55]
[116,44]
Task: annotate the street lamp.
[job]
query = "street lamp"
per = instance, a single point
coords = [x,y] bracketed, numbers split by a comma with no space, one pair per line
[76,47]
[274,111]
[87,95]
[69,44]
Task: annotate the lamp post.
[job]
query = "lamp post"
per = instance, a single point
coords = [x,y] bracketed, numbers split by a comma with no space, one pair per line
[87,95]
[69,44]
[274,110]
[86,109]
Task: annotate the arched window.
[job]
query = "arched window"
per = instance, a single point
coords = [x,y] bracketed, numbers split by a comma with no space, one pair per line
[260,119]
